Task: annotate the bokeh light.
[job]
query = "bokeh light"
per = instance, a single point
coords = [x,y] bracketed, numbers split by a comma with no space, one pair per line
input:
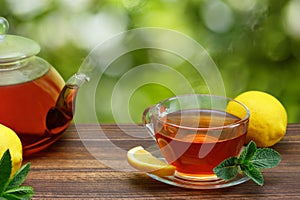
[255,43]
[291,18]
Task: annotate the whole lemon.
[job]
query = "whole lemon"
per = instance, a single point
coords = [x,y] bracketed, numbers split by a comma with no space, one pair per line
[268,117]
[10,140]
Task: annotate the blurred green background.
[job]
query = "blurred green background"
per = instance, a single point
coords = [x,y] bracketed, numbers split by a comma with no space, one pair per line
[254,43]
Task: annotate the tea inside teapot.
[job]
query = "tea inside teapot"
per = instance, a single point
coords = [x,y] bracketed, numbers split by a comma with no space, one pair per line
[25,105]
[34,100]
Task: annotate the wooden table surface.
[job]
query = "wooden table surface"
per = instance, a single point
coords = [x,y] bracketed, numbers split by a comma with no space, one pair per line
[67,170]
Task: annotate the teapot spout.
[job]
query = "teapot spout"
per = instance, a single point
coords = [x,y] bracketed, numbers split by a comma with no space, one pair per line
[60,116]
[78,79]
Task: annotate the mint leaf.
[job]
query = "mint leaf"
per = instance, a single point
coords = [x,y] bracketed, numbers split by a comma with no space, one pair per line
[19,177]
[250,161]
[253,173]
[10,197]
[248,152]
[227,169]
[5,166]
[23,192]
[265,158]
[10,189]
[15,197]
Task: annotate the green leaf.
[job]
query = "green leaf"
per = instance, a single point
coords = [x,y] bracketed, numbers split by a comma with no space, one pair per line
[248,152]
[253,173]
[10,197]
[19,177]
[227,169]
[250,162]
[23,192]
[20,190]
[265,158]
[5,166]
[15,197]
[10,189]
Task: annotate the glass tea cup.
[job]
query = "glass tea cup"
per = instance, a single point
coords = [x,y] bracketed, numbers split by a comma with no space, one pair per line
[197,132]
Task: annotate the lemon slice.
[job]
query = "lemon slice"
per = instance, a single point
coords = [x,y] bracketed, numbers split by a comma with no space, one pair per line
[144,161]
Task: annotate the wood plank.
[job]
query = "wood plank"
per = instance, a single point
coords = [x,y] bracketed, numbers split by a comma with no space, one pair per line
[67,170]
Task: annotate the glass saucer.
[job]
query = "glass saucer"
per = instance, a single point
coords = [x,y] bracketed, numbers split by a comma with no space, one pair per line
[215,184]
[209,184]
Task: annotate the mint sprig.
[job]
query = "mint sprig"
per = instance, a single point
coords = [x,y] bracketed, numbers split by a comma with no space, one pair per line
[250,162]
[10,188]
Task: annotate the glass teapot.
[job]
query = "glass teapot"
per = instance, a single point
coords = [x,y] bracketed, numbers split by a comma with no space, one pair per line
[34,99]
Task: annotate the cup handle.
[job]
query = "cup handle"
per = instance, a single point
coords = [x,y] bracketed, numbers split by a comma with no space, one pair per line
[147,121]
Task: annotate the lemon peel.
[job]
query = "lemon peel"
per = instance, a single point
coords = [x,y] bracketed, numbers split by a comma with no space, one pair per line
[10,140]
[144,161]
[268,117]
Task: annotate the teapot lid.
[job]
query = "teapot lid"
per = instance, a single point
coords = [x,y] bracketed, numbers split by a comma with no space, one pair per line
[13,47]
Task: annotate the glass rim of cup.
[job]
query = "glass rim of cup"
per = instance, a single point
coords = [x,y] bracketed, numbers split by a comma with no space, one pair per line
[231,125]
